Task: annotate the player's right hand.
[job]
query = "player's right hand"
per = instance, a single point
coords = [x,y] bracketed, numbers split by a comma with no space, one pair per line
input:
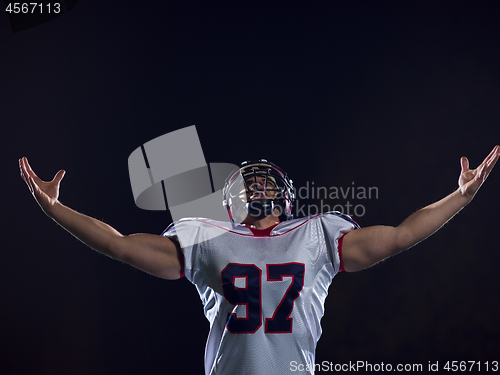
[45,193]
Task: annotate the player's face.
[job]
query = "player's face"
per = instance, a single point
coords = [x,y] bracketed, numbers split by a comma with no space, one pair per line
[259,188]
[253,188]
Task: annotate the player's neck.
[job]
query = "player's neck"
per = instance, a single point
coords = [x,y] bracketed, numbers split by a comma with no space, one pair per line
[264,223]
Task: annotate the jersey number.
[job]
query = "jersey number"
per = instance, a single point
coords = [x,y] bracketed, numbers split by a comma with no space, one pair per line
[242,286]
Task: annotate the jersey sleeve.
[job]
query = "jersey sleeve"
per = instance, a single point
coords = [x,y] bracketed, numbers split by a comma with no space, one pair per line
[181,232]
[335,226]
[196,239]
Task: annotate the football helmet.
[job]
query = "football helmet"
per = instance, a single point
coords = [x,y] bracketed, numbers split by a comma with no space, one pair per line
[258,175]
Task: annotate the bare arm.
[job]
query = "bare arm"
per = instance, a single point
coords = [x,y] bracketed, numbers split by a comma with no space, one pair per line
[154,254]
[364,247]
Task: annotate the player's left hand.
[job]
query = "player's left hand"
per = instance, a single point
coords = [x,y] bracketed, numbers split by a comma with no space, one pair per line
[470,180]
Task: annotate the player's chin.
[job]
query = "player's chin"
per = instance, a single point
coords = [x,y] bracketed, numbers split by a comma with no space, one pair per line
[246,219]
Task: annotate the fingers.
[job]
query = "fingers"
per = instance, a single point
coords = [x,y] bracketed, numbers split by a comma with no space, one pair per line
[492,155]
[491,160]
[27,169]
[59,176]
[26,176]
[486,166]
[27,172]
[464,162]
[24,171]
[483,170]
[481,175]
[32,172]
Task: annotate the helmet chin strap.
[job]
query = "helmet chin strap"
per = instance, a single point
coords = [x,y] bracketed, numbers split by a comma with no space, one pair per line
[260,208]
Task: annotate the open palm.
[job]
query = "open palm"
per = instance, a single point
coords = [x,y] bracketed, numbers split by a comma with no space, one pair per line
[45,193]
[470,180]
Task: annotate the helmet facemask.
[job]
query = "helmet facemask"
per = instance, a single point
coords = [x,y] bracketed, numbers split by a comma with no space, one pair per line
[264,179]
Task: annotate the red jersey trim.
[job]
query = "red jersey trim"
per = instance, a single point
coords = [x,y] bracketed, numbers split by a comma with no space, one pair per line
[262,232]
[341,239]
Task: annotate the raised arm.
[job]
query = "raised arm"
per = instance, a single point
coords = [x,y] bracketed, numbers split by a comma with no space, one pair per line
[154,254]
[365,247]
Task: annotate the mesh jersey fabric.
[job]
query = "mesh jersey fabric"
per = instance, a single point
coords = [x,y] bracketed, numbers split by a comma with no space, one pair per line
[263,296]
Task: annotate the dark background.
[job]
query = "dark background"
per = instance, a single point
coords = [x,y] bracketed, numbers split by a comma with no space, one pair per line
[388,94]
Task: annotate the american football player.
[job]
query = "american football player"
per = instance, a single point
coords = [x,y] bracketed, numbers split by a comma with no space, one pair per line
[263,276]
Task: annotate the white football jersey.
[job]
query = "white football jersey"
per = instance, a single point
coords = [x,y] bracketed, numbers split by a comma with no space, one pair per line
[263,291]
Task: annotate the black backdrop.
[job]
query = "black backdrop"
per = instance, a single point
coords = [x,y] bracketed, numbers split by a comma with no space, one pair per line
[380,94]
